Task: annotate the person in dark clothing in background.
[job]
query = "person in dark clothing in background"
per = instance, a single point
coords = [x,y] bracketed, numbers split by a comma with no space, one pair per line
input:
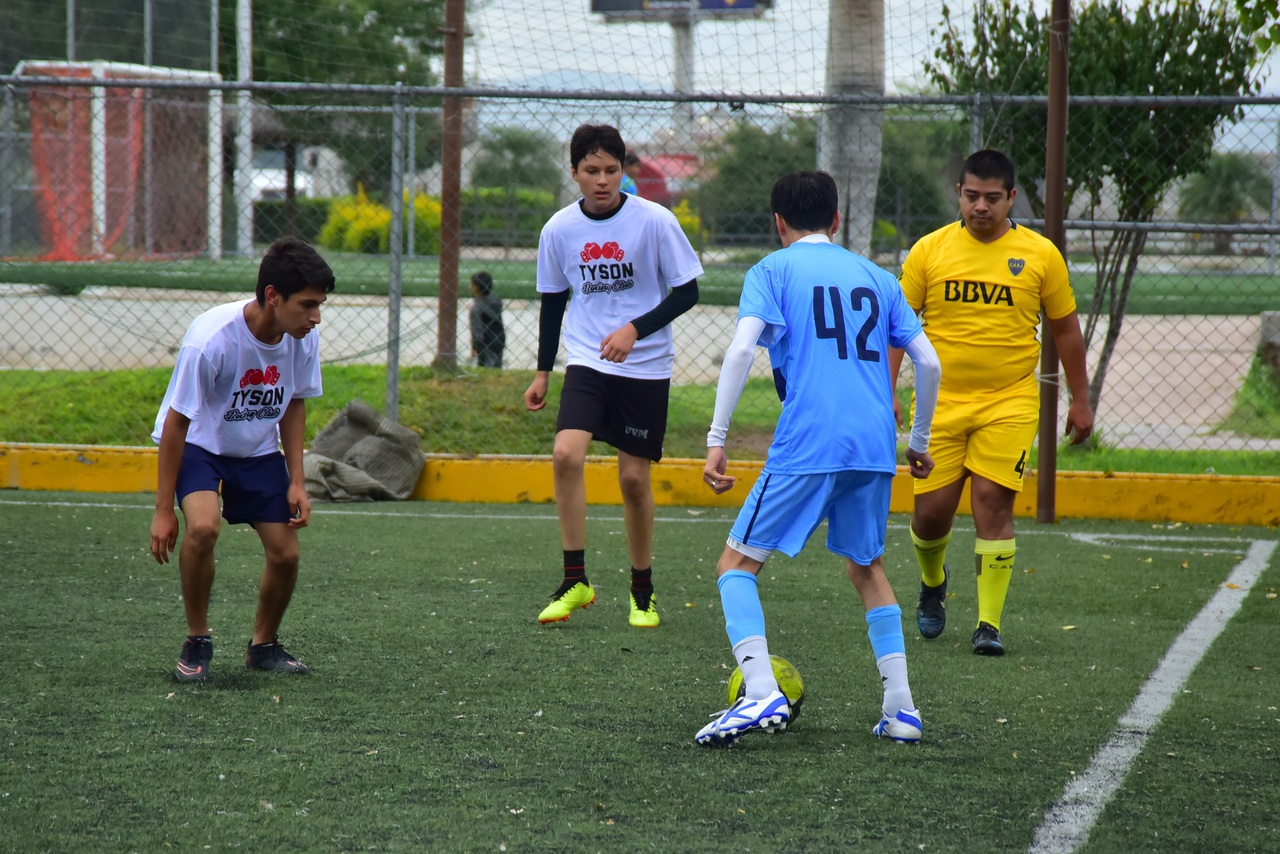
[488,337]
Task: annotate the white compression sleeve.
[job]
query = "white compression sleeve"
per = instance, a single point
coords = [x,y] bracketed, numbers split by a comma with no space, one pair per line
[733,376]
[928,378]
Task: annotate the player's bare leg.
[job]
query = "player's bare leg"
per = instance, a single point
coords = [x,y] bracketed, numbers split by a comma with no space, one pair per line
[568,458]
[279,576]
[637,510]
[275,589]
[637,507]
[935,510]
[871,583]
[200,511]
[196,568]
[994,551]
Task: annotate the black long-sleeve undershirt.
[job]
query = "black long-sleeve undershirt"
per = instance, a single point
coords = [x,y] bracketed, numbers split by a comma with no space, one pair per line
[679,301]
[551,316]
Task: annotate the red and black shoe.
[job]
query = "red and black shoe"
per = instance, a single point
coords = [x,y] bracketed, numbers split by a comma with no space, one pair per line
[193,661]
[272,657]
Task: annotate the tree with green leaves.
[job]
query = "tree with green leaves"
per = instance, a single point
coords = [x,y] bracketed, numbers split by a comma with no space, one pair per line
[380,42]
[1123,157]
[516,158]
[734,203]
[1230,189]
[1261,18]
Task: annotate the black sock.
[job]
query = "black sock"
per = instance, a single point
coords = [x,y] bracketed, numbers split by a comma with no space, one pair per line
[198,638]
[575,569]
[642,583]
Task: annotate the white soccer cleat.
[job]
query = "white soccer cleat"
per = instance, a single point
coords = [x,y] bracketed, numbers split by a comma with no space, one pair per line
[905,725]
[770,714]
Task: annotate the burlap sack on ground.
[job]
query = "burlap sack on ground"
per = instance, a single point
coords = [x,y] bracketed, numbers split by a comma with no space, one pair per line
[361,456]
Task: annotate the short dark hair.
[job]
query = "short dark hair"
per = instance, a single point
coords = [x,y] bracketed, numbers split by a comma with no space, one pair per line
[590,139]
[631,158]
[987,164]
[290,266]
[806,201]
[483,281]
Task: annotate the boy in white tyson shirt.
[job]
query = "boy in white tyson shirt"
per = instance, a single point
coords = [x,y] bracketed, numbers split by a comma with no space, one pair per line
[631,271]
[237,396]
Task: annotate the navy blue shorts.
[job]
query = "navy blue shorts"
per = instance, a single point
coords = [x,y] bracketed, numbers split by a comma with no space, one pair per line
[254,489]
[783,510]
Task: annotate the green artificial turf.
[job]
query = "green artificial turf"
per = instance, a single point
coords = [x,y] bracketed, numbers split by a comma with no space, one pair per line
[439,715]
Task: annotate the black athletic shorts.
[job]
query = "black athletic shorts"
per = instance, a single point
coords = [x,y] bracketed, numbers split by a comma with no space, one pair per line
[627,413]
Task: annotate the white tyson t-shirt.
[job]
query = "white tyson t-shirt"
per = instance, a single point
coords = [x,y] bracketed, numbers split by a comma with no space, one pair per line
[235,388]
[619,269]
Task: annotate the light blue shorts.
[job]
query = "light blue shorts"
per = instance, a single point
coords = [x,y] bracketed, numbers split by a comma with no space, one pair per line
[783,511]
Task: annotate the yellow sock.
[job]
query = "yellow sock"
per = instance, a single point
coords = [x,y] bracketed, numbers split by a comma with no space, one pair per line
[994,559]
[931,554]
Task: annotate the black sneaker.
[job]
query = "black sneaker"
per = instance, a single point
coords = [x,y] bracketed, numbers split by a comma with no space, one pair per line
[931,610]
[193,661]
[272,657]
[986,640]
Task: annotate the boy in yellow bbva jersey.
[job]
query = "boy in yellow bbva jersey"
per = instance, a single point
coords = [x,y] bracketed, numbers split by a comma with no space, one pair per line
[979,285]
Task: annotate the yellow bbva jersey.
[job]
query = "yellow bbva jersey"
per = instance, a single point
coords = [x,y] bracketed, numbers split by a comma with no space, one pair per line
[980,305]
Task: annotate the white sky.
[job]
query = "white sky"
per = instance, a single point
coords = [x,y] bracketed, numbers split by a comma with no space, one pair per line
[560,44]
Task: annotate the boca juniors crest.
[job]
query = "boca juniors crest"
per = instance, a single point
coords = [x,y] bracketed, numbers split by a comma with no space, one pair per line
[1016,265]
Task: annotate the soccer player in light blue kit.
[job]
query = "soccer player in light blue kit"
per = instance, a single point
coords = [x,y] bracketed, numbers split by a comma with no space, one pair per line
[828,318]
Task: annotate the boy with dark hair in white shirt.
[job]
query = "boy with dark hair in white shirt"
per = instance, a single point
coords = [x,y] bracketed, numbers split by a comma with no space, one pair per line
[237,396]
[631,272]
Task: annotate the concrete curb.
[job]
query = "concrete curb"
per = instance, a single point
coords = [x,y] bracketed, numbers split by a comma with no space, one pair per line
[1203,499]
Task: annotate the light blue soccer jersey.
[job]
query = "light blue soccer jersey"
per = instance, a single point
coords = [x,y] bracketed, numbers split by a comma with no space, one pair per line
[831,316]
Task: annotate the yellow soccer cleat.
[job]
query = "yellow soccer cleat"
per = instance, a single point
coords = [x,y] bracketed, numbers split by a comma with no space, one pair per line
[646,617]
[566,600]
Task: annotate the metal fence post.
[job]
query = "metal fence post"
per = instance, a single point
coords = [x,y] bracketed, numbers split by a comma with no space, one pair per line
[1275,203]
[1055,183]
[396,248]
[977,134]
[411,164]
[8,128]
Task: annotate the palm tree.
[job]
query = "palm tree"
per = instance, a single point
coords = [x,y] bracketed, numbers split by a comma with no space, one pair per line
[1228,191]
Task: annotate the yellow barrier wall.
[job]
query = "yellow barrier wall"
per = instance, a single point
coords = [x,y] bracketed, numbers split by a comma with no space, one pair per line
[1204,499]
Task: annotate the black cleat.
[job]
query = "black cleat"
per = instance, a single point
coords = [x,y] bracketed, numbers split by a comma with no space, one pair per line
[931,610]
[986,640]
[272,657]
[193,661]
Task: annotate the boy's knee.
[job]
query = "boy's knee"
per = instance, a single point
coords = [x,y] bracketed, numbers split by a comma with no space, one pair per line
[634,484]
[565,460]
[284,556]
[202,536]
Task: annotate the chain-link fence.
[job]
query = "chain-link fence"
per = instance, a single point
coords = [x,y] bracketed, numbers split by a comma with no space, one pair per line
[127,210]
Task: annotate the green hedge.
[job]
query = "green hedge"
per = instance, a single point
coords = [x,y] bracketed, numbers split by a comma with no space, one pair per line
[268,219]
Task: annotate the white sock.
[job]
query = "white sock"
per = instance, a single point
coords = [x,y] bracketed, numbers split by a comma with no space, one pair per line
[757,670]
[897,691]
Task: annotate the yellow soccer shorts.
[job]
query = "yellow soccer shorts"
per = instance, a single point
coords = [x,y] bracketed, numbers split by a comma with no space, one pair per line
[990,437]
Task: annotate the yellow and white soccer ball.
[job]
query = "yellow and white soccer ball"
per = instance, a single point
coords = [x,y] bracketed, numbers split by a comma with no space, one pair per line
[789,682]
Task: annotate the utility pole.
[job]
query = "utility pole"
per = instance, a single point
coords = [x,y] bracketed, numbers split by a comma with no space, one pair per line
[455,31]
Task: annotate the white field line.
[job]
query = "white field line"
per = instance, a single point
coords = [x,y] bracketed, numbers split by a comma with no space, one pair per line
[324,511]
[1067,824]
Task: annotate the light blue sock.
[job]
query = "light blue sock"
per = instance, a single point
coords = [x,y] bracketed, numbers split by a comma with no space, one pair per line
[884,628]
[740,600]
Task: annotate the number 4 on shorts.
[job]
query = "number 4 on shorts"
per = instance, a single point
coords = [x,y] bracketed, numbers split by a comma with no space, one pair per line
[1021,464]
